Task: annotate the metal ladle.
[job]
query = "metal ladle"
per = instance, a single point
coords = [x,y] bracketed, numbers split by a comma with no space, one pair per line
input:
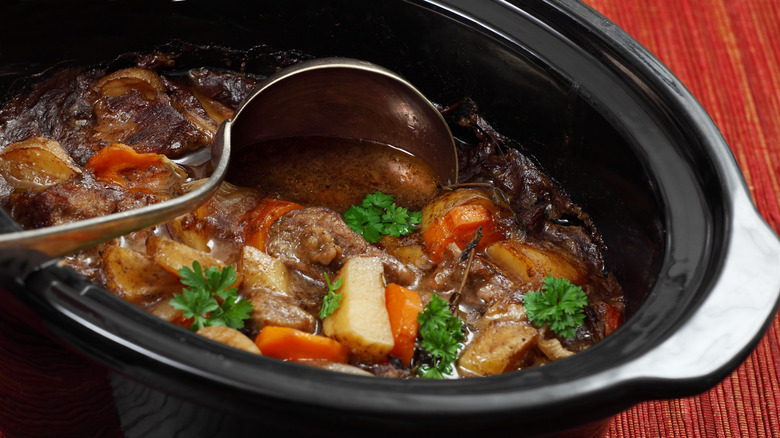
[328,96]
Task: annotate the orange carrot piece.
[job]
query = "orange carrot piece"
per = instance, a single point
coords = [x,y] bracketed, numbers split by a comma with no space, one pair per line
[262,216]
[121,165]
[179,319]
[287,343]
[403,306]
[459,225]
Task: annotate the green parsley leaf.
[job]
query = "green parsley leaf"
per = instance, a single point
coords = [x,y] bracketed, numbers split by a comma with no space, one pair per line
[378,215]
[332,300]
[442,338]
[379,199]
[199,299]
[559,304]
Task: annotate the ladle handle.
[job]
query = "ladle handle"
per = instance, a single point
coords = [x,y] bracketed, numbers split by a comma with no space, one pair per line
[65,239]
[61,240]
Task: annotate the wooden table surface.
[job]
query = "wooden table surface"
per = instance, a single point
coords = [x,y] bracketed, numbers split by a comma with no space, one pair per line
[726,53]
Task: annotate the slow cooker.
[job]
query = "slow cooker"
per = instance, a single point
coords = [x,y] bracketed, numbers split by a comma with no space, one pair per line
[597,111]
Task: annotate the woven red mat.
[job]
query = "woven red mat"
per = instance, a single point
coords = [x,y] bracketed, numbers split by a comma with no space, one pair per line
[727,53]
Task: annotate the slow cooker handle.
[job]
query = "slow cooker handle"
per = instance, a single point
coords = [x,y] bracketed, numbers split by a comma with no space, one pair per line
[732,319]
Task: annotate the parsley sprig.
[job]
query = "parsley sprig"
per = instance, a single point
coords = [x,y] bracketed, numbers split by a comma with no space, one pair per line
[378,215]
[442,338]
[199,299]
[559,304]
[332,300]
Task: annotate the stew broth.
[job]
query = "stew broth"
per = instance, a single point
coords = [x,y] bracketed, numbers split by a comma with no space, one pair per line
[334,172]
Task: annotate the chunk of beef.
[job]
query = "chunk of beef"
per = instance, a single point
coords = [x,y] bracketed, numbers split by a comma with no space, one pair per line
[77,199]
[219,224]
[229,89]
[54,108]
[83,112]
[278,309]
[316,241]
[172,124]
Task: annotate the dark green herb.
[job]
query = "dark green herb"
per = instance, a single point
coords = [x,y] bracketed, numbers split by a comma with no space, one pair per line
[559,304]
[442,337]
[199,299]
[332,300]
[378,215]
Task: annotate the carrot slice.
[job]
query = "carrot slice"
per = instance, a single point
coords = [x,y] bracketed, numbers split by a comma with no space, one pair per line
[403,306]
[292,344]
[140,172]
[459,225]
[262,216]
[181,320]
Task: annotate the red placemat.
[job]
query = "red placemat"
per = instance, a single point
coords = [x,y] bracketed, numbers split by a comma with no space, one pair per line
[727,53]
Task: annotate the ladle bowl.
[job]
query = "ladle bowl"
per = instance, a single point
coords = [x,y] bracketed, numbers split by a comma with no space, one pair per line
[342,98]
[331,97]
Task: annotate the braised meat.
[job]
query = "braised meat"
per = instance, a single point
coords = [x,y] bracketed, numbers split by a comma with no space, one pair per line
[75,200]
[316,240]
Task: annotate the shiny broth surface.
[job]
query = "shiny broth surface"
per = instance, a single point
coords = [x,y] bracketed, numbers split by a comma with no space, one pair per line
[334,172]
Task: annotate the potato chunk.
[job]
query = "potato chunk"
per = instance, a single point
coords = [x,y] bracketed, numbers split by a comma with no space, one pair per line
[165,311]
[443,203]
[229,336]
[136,278]
[172,255]
[361,321]
[532,264]
[261,270]
[36,164]
[339,367]
[497,348]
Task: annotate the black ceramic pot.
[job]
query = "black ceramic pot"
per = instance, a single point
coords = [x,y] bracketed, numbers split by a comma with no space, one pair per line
[611,124]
